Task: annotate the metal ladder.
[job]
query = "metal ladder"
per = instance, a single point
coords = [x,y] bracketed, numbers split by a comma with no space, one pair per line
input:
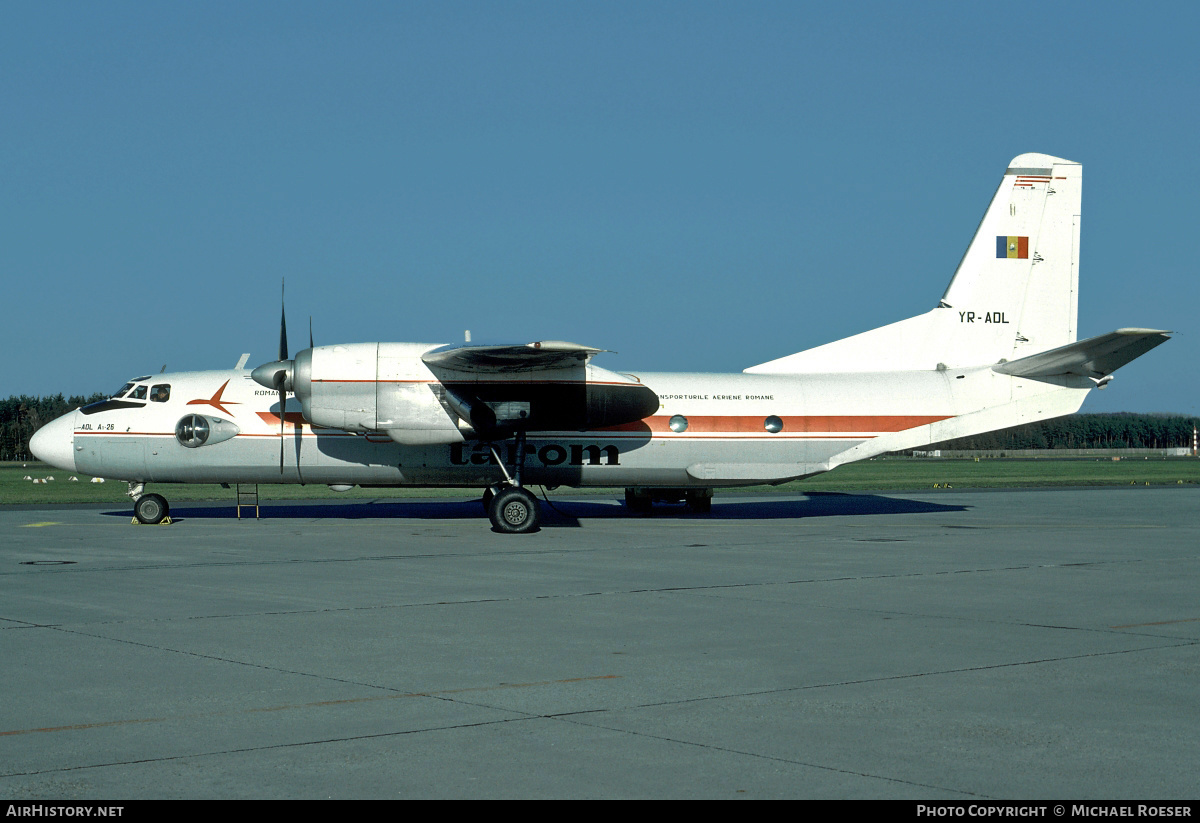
[247,498]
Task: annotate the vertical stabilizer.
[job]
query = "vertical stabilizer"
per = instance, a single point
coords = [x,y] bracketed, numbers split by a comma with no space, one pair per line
[1015,292]
[1024,260]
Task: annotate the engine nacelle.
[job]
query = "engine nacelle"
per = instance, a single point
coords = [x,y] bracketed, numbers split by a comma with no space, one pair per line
[387,387]
[374,387]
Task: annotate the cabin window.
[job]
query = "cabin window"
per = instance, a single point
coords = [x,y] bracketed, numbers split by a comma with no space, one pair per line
[160,393]
[773,424]
[192,431]
[679,424]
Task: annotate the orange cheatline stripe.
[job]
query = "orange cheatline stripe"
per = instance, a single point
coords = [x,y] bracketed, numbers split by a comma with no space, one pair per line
[794,424]
[805,424]
[661,424]
[735,424]
[482,379]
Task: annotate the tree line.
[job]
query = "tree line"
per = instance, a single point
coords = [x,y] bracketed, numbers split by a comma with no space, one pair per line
[21,416]
[1119,430]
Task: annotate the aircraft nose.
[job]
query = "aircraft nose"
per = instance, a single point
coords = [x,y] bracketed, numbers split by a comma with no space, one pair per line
[54,443]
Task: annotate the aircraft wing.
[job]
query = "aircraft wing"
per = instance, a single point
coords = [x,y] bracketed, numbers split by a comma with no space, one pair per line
[1096,357]
[542,386]
[543,355]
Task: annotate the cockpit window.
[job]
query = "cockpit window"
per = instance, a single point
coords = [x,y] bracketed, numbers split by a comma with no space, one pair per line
[138,394]
[160,393]
[121,391]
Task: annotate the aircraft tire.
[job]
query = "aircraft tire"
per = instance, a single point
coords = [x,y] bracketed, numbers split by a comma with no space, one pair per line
[514,511]
[151,509]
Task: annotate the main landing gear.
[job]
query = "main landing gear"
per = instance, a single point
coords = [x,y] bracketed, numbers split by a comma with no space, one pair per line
[511,508]
[514,510]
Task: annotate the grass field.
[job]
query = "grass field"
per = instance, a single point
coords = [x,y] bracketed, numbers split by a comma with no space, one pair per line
[884,474]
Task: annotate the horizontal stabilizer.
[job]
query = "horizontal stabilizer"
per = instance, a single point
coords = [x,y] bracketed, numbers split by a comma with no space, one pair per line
[540,356]
[1095,357]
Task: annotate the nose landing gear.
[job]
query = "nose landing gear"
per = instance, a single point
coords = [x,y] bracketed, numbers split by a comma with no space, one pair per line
[151,509]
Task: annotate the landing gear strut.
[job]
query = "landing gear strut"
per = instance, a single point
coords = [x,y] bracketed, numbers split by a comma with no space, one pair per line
[511,508]
[150,509]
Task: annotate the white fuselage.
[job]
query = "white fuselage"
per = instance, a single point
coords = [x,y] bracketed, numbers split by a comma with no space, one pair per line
[999,349]
[710,430]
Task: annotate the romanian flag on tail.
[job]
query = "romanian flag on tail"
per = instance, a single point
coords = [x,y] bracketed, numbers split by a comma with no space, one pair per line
[1015,247]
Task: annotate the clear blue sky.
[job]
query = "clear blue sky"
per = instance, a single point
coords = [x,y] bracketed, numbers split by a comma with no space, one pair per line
[697,186]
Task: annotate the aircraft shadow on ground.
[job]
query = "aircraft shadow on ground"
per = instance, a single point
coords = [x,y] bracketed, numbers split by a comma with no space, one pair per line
[569,513]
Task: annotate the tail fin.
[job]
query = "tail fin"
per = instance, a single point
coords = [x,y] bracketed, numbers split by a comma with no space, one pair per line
[1015,292]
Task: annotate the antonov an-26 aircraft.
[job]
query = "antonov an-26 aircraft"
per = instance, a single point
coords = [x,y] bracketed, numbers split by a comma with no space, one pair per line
[999,349]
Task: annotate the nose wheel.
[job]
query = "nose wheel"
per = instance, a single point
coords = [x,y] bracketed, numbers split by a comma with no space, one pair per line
[151,509]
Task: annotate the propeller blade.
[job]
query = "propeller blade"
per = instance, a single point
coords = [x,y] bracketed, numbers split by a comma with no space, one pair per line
[279,380]
[283,346]
[310,342]
[281,376]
